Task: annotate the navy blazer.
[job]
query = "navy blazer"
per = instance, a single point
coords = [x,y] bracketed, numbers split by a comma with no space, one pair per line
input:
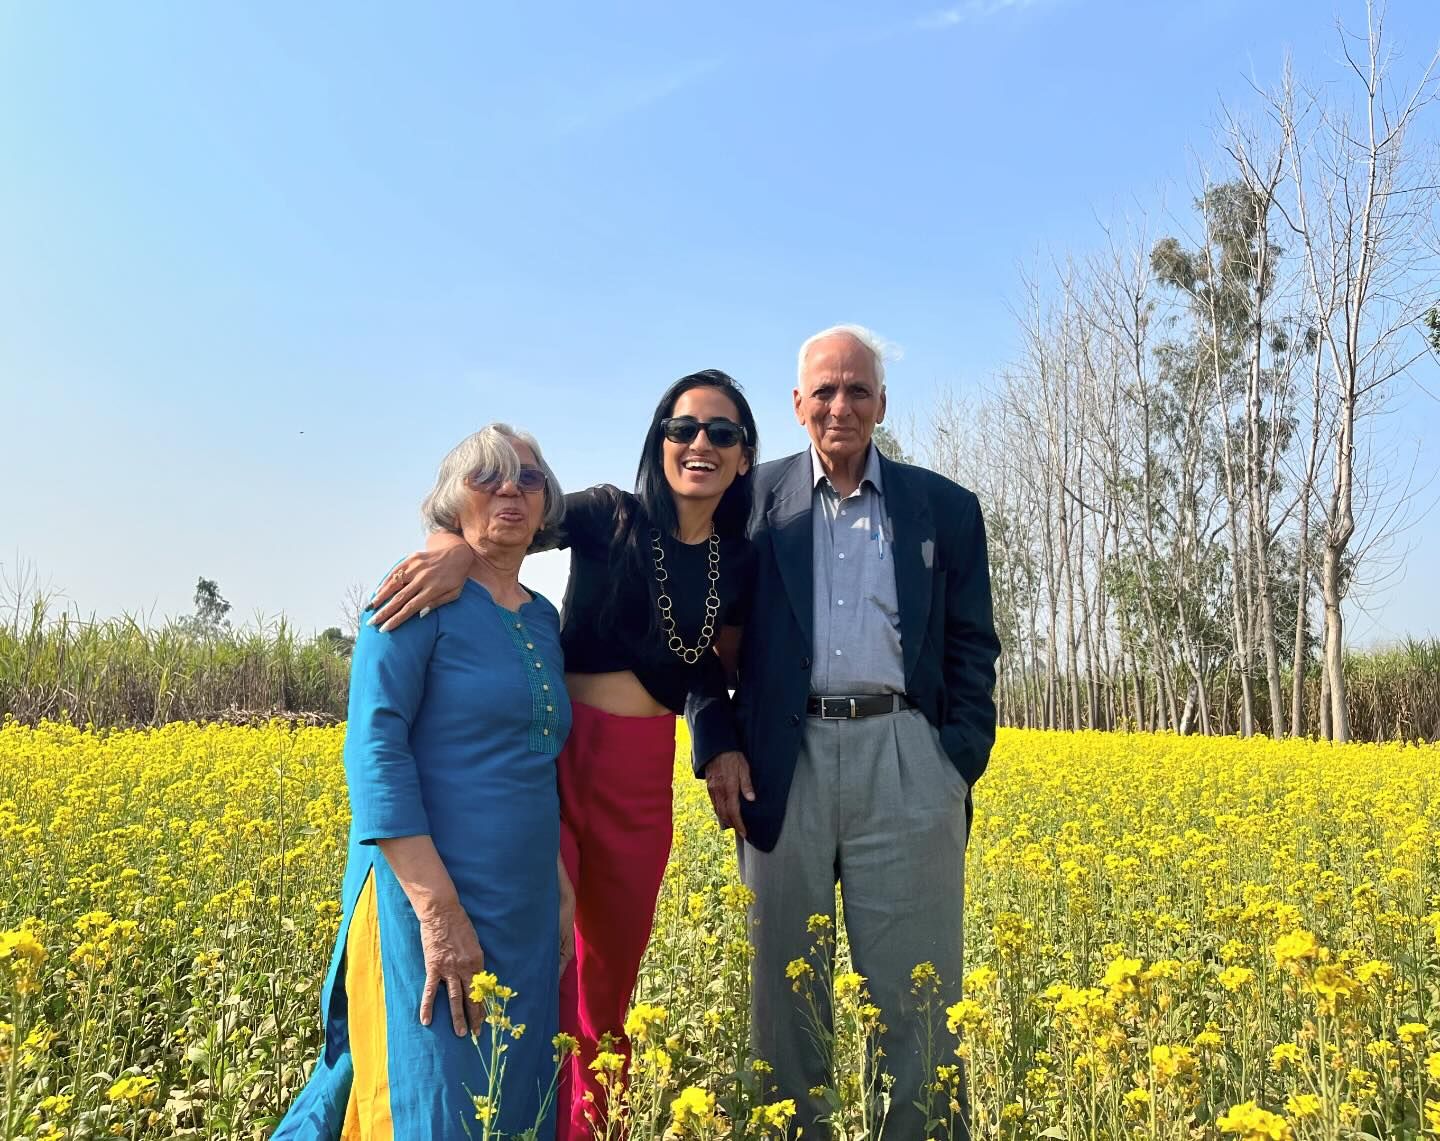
[947,630]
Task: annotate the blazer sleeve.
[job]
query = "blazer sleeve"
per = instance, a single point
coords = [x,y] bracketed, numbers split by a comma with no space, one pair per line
[387,681]
[737,613]
[971,649]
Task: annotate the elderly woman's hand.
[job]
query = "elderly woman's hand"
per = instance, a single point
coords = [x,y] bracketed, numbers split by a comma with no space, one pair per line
[453,956]
[447,937]
[425,580]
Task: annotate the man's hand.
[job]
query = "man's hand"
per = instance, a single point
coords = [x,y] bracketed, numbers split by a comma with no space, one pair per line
[727,779]
[425,580]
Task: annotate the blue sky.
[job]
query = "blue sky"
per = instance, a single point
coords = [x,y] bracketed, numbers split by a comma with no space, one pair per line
[263,264]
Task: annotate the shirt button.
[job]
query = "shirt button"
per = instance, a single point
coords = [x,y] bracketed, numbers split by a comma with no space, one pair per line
[839,602]
[529,645]
[518,626]
[804,663]
[842,514]
[549,709]
[839,653]
[546,688]
[842,554]
[538,665]
[546,732]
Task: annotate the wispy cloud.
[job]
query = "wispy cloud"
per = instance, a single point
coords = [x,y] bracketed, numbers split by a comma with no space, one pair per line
[970,12]
[635,94]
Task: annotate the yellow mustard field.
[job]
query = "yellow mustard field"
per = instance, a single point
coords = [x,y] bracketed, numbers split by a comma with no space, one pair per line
[1165,938]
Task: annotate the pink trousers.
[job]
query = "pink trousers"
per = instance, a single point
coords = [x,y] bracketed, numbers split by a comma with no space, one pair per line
[615,777]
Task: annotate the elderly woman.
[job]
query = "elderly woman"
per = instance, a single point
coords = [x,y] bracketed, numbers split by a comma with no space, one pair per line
[455,722]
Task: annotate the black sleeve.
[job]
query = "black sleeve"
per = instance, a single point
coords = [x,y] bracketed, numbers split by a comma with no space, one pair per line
[971,648]
[708,714]
[589,521]
[737,612]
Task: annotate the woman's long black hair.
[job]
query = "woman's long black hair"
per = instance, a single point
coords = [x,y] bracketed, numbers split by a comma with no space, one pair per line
[652,489]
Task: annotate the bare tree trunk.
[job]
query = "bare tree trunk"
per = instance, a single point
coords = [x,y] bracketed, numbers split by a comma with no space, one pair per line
[1257,477]
[1225,699]
[1302,649]
[1034,718]
[1137,690]
[1325,728]
[1337,538]
[1302,598]
[1202,699]
[1188,714]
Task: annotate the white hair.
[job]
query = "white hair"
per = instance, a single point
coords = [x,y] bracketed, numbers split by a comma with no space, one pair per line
[490,451]
[879,348]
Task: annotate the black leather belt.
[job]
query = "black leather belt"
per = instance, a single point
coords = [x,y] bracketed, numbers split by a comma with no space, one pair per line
[861,705]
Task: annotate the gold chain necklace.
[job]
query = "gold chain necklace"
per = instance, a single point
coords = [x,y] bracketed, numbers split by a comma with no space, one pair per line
[665,603]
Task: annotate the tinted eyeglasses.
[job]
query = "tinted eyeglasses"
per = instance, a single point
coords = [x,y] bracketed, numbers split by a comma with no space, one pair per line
[528,479]
[683,430]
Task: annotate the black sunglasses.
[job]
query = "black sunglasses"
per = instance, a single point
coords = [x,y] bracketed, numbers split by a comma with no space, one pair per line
[527,479]
[683,430]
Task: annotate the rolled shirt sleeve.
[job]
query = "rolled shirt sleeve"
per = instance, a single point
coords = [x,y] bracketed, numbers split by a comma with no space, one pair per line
[387,681]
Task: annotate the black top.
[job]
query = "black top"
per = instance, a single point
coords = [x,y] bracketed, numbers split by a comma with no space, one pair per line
[611,620]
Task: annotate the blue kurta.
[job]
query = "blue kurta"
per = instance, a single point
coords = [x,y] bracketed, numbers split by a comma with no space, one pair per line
[454,723]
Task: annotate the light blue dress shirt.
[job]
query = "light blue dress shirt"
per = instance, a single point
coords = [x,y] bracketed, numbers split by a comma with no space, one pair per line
[857,609]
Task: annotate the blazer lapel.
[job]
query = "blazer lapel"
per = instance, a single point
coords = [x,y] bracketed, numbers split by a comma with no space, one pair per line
[914,547]
[791,525]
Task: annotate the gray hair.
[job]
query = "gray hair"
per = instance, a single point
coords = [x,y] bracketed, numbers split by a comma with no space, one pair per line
[490,450]
[878,346]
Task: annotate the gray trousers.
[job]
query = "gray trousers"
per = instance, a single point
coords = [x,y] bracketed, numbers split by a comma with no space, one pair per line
[877,806]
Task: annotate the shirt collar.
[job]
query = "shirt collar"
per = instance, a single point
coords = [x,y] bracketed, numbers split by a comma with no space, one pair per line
[871,474]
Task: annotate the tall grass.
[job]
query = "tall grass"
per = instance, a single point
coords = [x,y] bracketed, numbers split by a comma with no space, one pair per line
[1392,694]
[121,672]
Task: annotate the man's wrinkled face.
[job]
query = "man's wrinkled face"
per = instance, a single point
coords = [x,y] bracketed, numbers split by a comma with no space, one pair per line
[839,399]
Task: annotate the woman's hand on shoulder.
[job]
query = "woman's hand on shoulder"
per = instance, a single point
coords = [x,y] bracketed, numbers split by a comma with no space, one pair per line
[423,581]
[453,957]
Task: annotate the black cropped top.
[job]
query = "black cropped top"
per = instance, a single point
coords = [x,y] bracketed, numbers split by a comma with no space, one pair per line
[612,621]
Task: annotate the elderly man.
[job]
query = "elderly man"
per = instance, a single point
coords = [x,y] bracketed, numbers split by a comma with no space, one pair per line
[863,716]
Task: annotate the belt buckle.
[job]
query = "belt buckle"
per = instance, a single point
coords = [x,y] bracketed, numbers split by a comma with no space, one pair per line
[845,704]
